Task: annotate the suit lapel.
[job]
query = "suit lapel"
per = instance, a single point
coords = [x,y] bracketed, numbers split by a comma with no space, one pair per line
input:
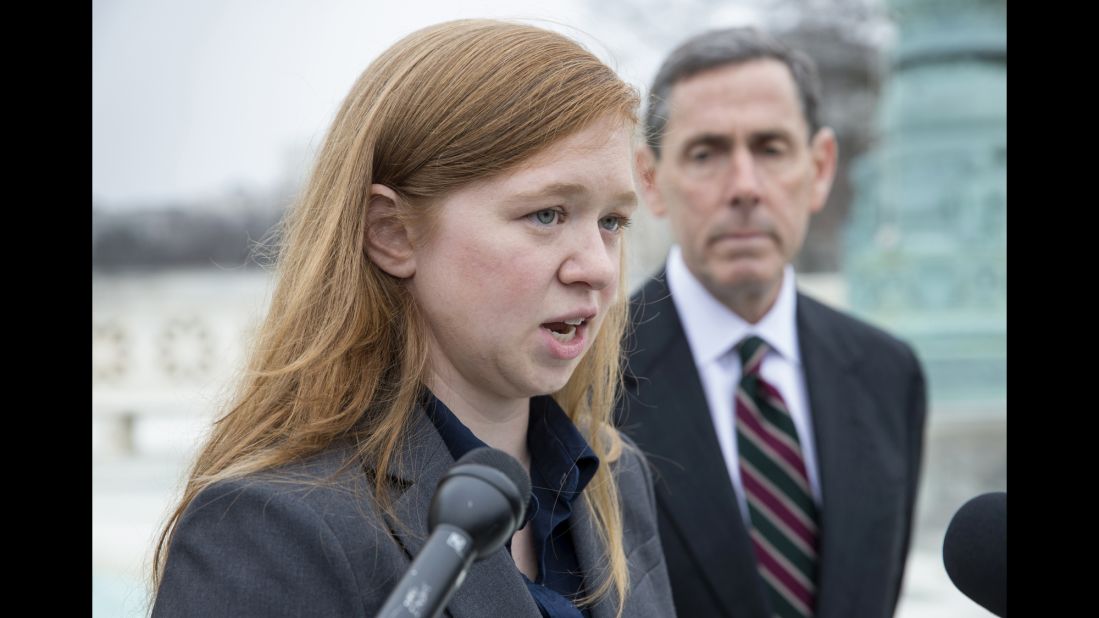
[842,410]
[589,555]
[664,379]
[493,585]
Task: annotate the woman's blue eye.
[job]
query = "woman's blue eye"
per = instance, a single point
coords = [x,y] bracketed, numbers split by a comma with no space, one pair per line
[614,223]
[546,217]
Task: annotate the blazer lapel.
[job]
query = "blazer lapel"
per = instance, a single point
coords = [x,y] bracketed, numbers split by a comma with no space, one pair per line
[684,446]
[493,585]
[842,410]
[589,555]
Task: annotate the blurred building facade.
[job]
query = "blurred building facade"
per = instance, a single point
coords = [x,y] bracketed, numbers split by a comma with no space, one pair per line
[927,245]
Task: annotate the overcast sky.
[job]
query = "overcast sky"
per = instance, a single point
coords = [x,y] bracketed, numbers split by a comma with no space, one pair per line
[193,98]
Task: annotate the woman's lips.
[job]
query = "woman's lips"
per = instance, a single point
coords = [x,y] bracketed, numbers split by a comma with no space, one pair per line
[565,339]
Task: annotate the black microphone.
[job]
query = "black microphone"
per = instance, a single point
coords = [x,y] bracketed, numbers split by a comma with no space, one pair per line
[478,505]
[975,551]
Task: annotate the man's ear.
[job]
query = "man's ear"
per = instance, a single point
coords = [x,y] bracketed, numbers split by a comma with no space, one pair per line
[645,161]
[825,153]
[388,243]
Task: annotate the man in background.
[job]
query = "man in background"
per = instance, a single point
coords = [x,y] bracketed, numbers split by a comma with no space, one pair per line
[786,436]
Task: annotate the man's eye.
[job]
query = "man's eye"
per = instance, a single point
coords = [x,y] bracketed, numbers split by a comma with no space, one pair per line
[773,149]
[699,154]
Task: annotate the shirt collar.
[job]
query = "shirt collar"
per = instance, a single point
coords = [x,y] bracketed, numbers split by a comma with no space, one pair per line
[557,449]
[458,438]
[713,329]
[558,453]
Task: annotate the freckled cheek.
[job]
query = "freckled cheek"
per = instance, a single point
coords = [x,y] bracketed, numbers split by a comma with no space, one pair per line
[595,328]
[616,255]
[503,278]
[609,295]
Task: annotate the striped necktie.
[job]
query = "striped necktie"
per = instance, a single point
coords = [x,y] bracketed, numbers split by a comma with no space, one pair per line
[780,505]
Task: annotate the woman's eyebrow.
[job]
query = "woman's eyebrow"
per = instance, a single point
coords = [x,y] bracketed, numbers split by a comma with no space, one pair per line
[571,190]
[553,189]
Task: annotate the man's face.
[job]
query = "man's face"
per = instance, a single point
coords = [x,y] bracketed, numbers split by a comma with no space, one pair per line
[738,177]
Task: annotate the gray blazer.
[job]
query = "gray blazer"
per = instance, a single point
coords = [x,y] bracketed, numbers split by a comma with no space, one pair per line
[279,544]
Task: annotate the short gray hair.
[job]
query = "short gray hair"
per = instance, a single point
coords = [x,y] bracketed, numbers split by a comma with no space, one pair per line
[716,48]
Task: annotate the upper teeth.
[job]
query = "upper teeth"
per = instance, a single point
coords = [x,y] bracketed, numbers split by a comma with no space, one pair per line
[575,322]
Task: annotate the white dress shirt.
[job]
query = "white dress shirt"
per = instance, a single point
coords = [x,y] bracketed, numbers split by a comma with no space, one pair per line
[713,331]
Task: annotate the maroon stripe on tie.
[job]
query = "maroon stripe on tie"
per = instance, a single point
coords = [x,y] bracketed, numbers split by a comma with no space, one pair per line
[776,506]
[748,435]
[766,434]
[776,398]
[775,481]
[780,433]
[789,582]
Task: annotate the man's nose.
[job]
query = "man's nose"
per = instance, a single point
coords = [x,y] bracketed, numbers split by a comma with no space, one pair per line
[743,183]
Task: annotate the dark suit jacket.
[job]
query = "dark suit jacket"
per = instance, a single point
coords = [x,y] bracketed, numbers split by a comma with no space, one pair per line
[279,544]
[867,398]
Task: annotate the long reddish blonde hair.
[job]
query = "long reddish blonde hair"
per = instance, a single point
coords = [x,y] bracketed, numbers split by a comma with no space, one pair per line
[342,349]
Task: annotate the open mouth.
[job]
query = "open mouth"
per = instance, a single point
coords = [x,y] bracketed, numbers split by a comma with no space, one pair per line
[564,331]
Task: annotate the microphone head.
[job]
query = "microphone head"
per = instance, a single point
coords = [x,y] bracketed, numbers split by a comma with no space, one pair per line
[485,494]
[501,462]
[975,551]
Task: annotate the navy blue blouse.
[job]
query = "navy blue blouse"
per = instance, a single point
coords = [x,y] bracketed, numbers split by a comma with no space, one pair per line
[561,465]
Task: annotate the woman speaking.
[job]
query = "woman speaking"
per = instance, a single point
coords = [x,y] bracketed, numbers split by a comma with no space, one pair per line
[449,278]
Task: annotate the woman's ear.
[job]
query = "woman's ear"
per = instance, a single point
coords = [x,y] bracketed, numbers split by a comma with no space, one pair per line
[388,243]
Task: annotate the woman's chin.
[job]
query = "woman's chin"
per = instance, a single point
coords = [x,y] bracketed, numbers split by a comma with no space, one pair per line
[550,384]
